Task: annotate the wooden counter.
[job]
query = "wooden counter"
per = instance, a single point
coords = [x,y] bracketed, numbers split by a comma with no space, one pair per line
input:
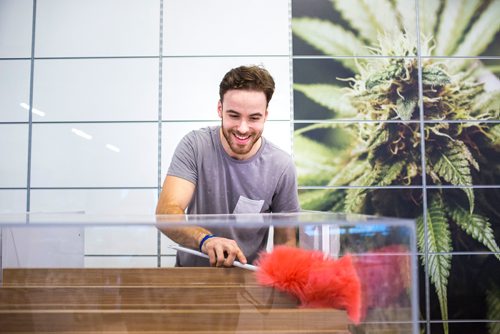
[163,300]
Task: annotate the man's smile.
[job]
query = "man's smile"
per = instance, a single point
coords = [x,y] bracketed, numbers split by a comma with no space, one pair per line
[242,140]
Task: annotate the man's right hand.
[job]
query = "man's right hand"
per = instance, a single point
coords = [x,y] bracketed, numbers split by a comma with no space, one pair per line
[223,252]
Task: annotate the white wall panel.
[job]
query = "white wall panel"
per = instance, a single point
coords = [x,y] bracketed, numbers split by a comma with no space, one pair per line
[225,27]
[95,155]
[16,21]
[165,245]
[279,133]
[95,201]
[13,155]
[12,201]
[96,89]
[168,261]
[191,86]
[127,240]
[14,90]
[120,262]
[80,28]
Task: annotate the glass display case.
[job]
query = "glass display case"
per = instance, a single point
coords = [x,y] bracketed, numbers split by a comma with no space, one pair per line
[349,274]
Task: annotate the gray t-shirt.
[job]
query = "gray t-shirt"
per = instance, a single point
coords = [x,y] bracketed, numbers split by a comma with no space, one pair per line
[266,182]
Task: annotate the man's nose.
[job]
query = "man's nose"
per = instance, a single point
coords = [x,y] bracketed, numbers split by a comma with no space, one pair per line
[243,127]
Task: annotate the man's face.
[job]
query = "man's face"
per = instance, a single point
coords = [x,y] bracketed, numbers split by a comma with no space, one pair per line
[243,114]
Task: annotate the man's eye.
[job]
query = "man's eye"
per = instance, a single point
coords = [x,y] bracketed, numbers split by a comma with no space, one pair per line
[255,119]
[233,116]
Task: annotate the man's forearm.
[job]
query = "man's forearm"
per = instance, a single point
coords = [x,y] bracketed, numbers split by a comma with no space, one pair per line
[186,236]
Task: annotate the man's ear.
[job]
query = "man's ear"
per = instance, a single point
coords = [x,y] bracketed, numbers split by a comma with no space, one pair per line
[219,108]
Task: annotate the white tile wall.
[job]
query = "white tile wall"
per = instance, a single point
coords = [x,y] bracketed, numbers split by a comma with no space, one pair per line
[225,27]
[16,22]
[120,262]
[95,201]
[13,155]
[96,101]
[116,240]
[81,28]
[12,201]
[14,90]
[95,155]
[191,86]
[96,89]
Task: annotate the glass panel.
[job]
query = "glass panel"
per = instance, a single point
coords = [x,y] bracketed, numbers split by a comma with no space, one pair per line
[369,284]
[96,89]
[225,27]
[119,241]
[14,153]
[109,201]
[16,18]
[119,28]
[461,89]
[460,28]
[14,90]
[462,154]
[376,89]
[202,76]
[358,154]
[354,28]
[95,155]
[120,262]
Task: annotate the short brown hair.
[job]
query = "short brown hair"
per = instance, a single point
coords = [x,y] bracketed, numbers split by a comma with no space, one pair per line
[250,78]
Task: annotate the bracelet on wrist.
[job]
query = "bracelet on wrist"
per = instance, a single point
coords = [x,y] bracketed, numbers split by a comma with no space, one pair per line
[205,238]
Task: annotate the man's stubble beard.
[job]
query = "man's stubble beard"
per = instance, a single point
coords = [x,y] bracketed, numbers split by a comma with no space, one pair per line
[254,138]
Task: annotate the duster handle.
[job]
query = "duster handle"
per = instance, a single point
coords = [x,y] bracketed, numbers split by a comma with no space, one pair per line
[200,254]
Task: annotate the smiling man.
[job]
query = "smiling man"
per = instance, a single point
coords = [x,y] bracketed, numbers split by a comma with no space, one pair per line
[231,168]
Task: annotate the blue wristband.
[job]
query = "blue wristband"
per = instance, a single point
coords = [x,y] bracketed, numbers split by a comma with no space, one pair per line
[205,238]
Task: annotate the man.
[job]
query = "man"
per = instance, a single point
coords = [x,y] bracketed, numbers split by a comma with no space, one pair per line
[231,169]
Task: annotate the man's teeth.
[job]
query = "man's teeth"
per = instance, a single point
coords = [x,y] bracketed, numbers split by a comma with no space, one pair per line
[242,138]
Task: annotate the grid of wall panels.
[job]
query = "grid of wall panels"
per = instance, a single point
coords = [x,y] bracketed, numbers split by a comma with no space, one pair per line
[401,118]
[95,95]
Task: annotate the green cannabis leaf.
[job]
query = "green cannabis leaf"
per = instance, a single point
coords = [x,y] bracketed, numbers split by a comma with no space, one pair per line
[385,88]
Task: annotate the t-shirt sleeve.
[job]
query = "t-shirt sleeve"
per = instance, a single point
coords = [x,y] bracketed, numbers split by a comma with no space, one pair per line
[286,197]
[183,162]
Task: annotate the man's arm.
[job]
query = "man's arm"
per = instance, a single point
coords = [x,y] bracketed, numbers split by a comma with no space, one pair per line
[174,199]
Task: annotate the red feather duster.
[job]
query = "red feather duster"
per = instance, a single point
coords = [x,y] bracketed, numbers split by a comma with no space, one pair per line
[315,280]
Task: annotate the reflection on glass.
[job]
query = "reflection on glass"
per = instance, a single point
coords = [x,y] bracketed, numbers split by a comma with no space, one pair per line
[377,255]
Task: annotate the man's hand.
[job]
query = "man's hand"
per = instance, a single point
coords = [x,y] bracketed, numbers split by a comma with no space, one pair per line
[223,252]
